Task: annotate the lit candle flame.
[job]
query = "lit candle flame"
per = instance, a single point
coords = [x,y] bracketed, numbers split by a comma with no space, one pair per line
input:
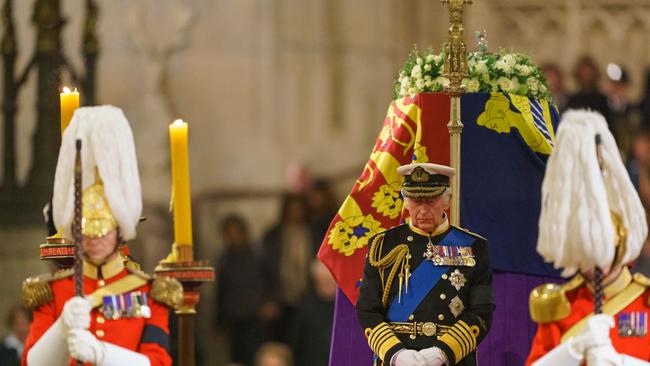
[178,122]
[66,90]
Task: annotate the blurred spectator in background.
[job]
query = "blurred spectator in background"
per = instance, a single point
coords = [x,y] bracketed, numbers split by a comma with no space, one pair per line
[555,78]
[639,169]
[299,178]
[239,291]
[639,165]
[18,322]
[288,251]
[323,206]
[273,354]
[620,107]
[312,328]
[644,105]
[588,94]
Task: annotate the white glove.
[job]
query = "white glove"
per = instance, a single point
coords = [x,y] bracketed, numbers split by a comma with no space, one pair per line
[408,357]
[76,313]
[604,356]
[633,361]
[434,356]
[595,334]
[571,353]
[50,349]
[83,346]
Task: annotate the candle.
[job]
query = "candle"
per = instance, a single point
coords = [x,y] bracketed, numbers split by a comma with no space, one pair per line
[180,184]
[69,104]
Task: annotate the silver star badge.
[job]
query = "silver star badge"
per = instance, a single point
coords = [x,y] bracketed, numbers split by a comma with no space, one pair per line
[456,306]
[457,279]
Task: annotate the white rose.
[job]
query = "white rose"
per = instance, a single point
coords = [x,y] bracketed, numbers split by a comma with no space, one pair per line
[418,60]
[514,85]
[411,91]
[533,84]
[405,84]
[503,66]
[481,67]
[442,81]
[428,83]
[504,83]
[427,67]
[510,60]
[417,70]
[402,91]
[419,83]
[473,85]
[430,58]
[524,70]
[437,59]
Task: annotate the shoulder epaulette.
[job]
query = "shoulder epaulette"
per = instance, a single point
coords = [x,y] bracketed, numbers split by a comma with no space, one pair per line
[167,291]
[37,290]
[136,271]
[468,232]
[549,303]
[641,279]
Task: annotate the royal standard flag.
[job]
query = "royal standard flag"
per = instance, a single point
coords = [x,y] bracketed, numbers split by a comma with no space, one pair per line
[505,143]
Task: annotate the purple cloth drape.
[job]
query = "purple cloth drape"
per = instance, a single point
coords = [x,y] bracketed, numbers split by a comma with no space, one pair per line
[507,344]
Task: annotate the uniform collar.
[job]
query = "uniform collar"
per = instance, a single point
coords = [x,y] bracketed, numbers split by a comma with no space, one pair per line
[439,230]
[617,285]
[107,270]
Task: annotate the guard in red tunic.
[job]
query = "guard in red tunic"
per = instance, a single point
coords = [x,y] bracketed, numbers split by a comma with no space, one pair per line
[591,217]
[123,318]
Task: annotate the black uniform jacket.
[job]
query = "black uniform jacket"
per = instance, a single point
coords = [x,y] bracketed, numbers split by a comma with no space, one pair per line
[454,315]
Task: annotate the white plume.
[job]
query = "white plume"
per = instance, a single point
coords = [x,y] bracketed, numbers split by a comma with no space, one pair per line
[107,143]
[575,227]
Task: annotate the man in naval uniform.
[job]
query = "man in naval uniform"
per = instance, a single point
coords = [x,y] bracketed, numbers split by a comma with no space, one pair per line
[591,217]
[123,318]
[426,296]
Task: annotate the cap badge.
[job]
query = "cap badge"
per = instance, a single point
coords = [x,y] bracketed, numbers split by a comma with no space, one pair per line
[419,175]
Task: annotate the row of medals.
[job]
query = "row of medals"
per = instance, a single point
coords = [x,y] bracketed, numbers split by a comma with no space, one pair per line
[435,253]
[128,305]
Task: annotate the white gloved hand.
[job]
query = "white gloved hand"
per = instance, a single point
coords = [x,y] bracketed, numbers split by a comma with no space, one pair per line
[595,334]
[434,356]
[604,356]
[409,357]
[76,313]
[83,346]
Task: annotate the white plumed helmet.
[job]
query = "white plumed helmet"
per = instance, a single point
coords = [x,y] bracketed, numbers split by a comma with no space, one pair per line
[576,231]
[107,153]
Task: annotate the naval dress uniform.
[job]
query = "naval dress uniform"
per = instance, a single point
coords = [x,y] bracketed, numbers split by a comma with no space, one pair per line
[424,290]
[561,311]
[130,309]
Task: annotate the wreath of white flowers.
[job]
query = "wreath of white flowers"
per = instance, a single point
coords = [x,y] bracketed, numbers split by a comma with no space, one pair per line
[506,72]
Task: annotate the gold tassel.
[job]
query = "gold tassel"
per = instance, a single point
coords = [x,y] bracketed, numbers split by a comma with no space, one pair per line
[399,293]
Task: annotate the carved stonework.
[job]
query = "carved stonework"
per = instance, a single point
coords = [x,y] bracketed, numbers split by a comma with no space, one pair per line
[560,31]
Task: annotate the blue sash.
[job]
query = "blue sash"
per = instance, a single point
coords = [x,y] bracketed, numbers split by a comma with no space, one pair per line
[424,278]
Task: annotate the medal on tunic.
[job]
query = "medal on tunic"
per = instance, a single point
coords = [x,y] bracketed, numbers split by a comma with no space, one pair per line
[633,324]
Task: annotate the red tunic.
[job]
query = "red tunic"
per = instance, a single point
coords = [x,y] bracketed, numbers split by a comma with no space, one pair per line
[148,336]
[582,304]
